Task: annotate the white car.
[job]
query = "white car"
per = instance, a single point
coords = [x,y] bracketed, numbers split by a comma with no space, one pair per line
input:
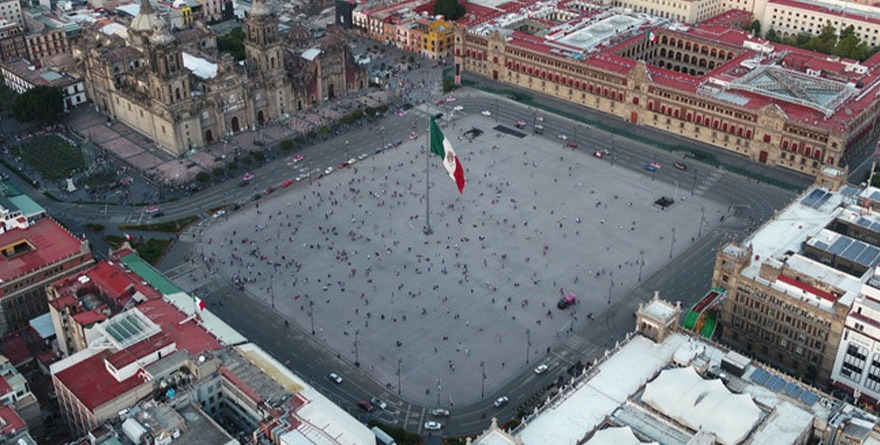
[486,113]
[450,99]
[328,170]
[563,137]
[378,403]
[218,213]
[352,161]
[457,108]
[541,369]
[433,425]
[501,401]
[335,378]
[151,209]
[362,156]
[539,118]
[440,412]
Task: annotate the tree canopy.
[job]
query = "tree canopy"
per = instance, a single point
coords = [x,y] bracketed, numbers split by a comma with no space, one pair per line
[41,103]
[847,44]
[232,43]
[449,9]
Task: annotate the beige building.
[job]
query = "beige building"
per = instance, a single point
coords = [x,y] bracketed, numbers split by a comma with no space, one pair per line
[790,18]
[179,93]
[10,10]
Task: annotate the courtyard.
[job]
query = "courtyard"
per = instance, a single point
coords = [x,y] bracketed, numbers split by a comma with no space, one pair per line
[347,259]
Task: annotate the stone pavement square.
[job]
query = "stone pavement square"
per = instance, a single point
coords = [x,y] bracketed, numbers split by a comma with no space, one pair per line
[536,221]
[123,148]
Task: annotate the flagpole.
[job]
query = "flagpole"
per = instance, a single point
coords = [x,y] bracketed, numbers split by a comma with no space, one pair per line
[428,230]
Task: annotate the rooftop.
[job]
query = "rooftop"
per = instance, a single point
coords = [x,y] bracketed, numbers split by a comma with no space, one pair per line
[45,242]
[89,380]
[38,76]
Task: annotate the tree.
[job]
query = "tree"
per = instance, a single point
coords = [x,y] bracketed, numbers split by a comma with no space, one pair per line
[42,103]
[772,35]
[286,145]
[754,28]
[202,177]
[232,43]
[449,9]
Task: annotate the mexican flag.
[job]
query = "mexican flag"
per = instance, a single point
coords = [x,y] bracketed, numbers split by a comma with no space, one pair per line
[200,304]
[651,36]
[441,146]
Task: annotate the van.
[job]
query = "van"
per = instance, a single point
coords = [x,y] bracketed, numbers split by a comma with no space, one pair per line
[539,129]
[382,437]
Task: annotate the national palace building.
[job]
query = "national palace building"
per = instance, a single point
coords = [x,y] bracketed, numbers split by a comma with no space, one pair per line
[710,82]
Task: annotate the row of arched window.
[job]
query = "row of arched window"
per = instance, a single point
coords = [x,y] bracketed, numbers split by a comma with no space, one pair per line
[800,148]
[705,50]
[599,90]
[709,121]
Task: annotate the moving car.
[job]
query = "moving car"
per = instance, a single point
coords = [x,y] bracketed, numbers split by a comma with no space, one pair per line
[362,156]
[159,214]
[287,183]
[539,129]
[520,124]
[600,153]
[563,137]
[541,369]
[269,190]
[441,102]
[297,158]
[457,108]
[571,145]
[501,401]
[247,176]
[352,161]
[567,301]
[539,118]
[432,425]
[450,99]
[378,403]
[335,378]
[440,412]
[486,113]
[366,406]
[328,170]
[681,166]
[151,209]
[652,167]
[218,213]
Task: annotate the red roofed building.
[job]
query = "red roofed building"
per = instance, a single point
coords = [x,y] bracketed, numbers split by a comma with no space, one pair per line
[712,83]
[32,257]
[77,302]
[123,362]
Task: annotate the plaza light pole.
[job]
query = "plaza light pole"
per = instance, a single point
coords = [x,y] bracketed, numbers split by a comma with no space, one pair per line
[702,218]
[357,362]
[311,175]
[312,314]
[439,388]
[611,286]
[641,263]
[528,343]
[399,362]
[672,244]
[694,185]
[482,379]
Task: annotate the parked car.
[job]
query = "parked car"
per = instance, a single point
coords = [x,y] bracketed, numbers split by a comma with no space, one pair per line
[440,412]
[567,301]
[362,156]
[159,214]
[366,406]
[151,209]
[501,401]
[287,183]
[432,425]
[378,403]
[542,368]
[601,153]
[269,190]
[335,378]
[571,145]
[681,166]
[247,176]
[297,158]
[539,129]
[328,170]
[520,124]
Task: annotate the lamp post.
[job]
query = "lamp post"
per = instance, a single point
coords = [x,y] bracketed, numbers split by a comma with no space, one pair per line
[528,343]
[611,286]
[312,314]
[399,362]
[357,362]
[346,152]
[496,110]
[702,218]
[641,263]
[439,388]
[311,173]
[672,244]
[482,379]
[694,185]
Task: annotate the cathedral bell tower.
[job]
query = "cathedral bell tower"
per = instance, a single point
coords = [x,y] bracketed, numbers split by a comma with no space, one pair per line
[262,44]
[168,79]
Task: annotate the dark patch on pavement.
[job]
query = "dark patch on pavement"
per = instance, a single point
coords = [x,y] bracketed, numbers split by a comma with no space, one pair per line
[510,131]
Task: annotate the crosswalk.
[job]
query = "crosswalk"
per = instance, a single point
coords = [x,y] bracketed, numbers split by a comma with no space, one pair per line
[708,181]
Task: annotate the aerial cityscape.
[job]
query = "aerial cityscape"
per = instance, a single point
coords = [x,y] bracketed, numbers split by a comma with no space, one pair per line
[491,222]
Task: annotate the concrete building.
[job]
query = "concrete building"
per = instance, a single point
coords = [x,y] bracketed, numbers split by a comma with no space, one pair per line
[12,41]
[790,18]
[10,10]
[20,75]
[183,96]
[34,254]
[771,103]
[666,386]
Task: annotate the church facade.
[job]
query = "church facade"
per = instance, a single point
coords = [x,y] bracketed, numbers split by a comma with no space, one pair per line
[176,90]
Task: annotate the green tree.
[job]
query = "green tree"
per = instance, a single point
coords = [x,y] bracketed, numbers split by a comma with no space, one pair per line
[202,177]
[232,43]
[772,36]
[41,103]
[259,156]
[218,171]
[754,28]
[449,9]
[286,145]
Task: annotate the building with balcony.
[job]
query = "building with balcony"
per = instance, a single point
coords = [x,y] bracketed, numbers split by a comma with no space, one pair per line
[21,75]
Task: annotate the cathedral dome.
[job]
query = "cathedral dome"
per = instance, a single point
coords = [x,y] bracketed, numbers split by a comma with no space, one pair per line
[147,19]
[259,8]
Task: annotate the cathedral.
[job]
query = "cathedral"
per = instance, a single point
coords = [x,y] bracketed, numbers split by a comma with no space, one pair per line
[175,89]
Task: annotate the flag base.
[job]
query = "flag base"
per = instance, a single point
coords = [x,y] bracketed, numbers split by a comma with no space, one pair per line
[427,230]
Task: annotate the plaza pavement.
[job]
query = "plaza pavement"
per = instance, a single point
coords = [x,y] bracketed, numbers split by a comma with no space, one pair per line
[536,221]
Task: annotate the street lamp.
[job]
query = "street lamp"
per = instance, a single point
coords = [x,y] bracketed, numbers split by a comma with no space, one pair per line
[346,151]
[702,218]
[528,343]
[439,388]
[641,263]
[357,362]
[483,379]
[312,314]
[694,185]
[399,361]
[610,286]
[311,176]
[672,244]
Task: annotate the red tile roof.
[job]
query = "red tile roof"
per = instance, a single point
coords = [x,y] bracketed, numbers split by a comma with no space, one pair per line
[12,422]
[188,336]
[110,280]
[4,387]
[850,15]
[92,384]
[52,243]
[89,317]
[15,348]
[806,287]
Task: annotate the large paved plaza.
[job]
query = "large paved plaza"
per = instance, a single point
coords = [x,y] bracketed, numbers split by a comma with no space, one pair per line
[536,221]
